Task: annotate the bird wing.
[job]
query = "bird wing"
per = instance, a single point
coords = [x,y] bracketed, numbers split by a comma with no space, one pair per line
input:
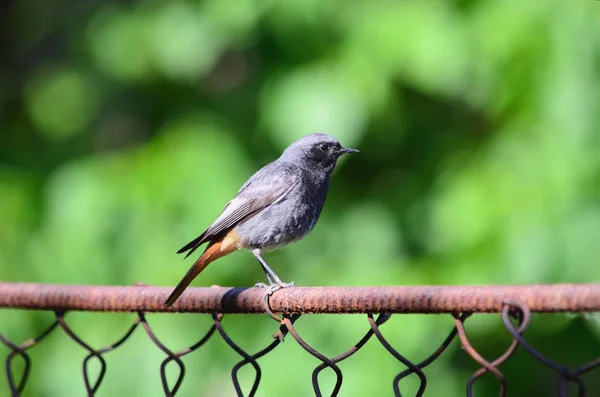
[269,185]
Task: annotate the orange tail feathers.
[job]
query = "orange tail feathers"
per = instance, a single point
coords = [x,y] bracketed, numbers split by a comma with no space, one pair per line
[214,251]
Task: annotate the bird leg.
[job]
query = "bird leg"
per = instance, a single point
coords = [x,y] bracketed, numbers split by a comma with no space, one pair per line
[263,285]
[275,284]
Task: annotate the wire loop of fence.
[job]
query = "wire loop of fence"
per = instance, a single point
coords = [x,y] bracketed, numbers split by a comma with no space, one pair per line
[514,304]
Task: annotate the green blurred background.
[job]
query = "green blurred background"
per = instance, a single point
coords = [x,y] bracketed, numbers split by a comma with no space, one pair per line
[126,126]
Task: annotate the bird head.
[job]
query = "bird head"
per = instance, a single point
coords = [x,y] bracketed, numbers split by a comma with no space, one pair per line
[316,151]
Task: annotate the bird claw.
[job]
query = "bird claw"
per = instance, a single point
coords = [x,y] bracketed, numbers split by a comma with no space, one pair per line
[260,285]
[277,286]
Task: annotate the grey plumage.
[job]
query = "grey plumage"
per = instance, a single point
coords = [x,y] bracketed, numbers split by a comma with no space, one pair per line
[279,204]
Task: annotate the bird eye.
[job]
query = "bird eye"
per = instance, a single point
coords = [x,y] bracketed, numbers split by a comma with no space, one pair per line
[324,147]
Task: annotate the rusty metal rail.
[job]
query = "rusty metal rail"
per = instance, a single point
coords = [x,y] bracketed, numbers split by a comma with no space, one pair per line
[514,303]
[304,300]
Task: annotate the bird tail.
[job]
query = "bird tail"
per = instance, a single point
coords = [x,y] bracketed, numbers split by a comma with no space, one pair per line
[214,251]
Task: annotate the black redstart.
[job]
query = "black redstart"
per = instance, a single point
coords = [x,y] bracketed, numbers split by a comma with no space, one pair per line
[278,205]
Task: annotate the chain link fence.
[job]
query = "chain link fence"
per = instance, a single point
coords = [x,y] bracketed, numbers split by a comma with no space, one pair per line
[514,303]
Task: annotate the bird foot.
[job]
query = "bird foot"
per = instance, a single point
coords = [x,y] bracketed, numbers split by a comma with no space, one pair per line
[277,286]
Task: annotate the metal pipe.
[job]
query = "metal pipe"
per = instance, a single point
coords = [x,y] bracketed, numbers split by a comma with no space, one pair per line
[413,299]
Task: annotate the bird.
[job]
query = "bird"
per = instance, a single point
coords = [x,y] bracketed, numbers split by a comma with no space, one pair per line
[278,205]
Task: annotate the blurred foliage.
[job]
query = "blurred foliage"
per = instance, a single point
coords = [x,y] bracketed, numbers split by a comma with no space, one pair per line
[125,128]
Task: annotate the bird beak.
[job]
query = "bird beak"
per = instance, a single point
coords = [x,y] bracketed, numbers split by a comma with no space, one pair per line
[349,150]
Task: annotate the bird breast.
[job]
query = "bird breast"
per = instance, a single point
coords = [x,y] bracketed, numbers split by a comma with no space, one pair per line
[284,222]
